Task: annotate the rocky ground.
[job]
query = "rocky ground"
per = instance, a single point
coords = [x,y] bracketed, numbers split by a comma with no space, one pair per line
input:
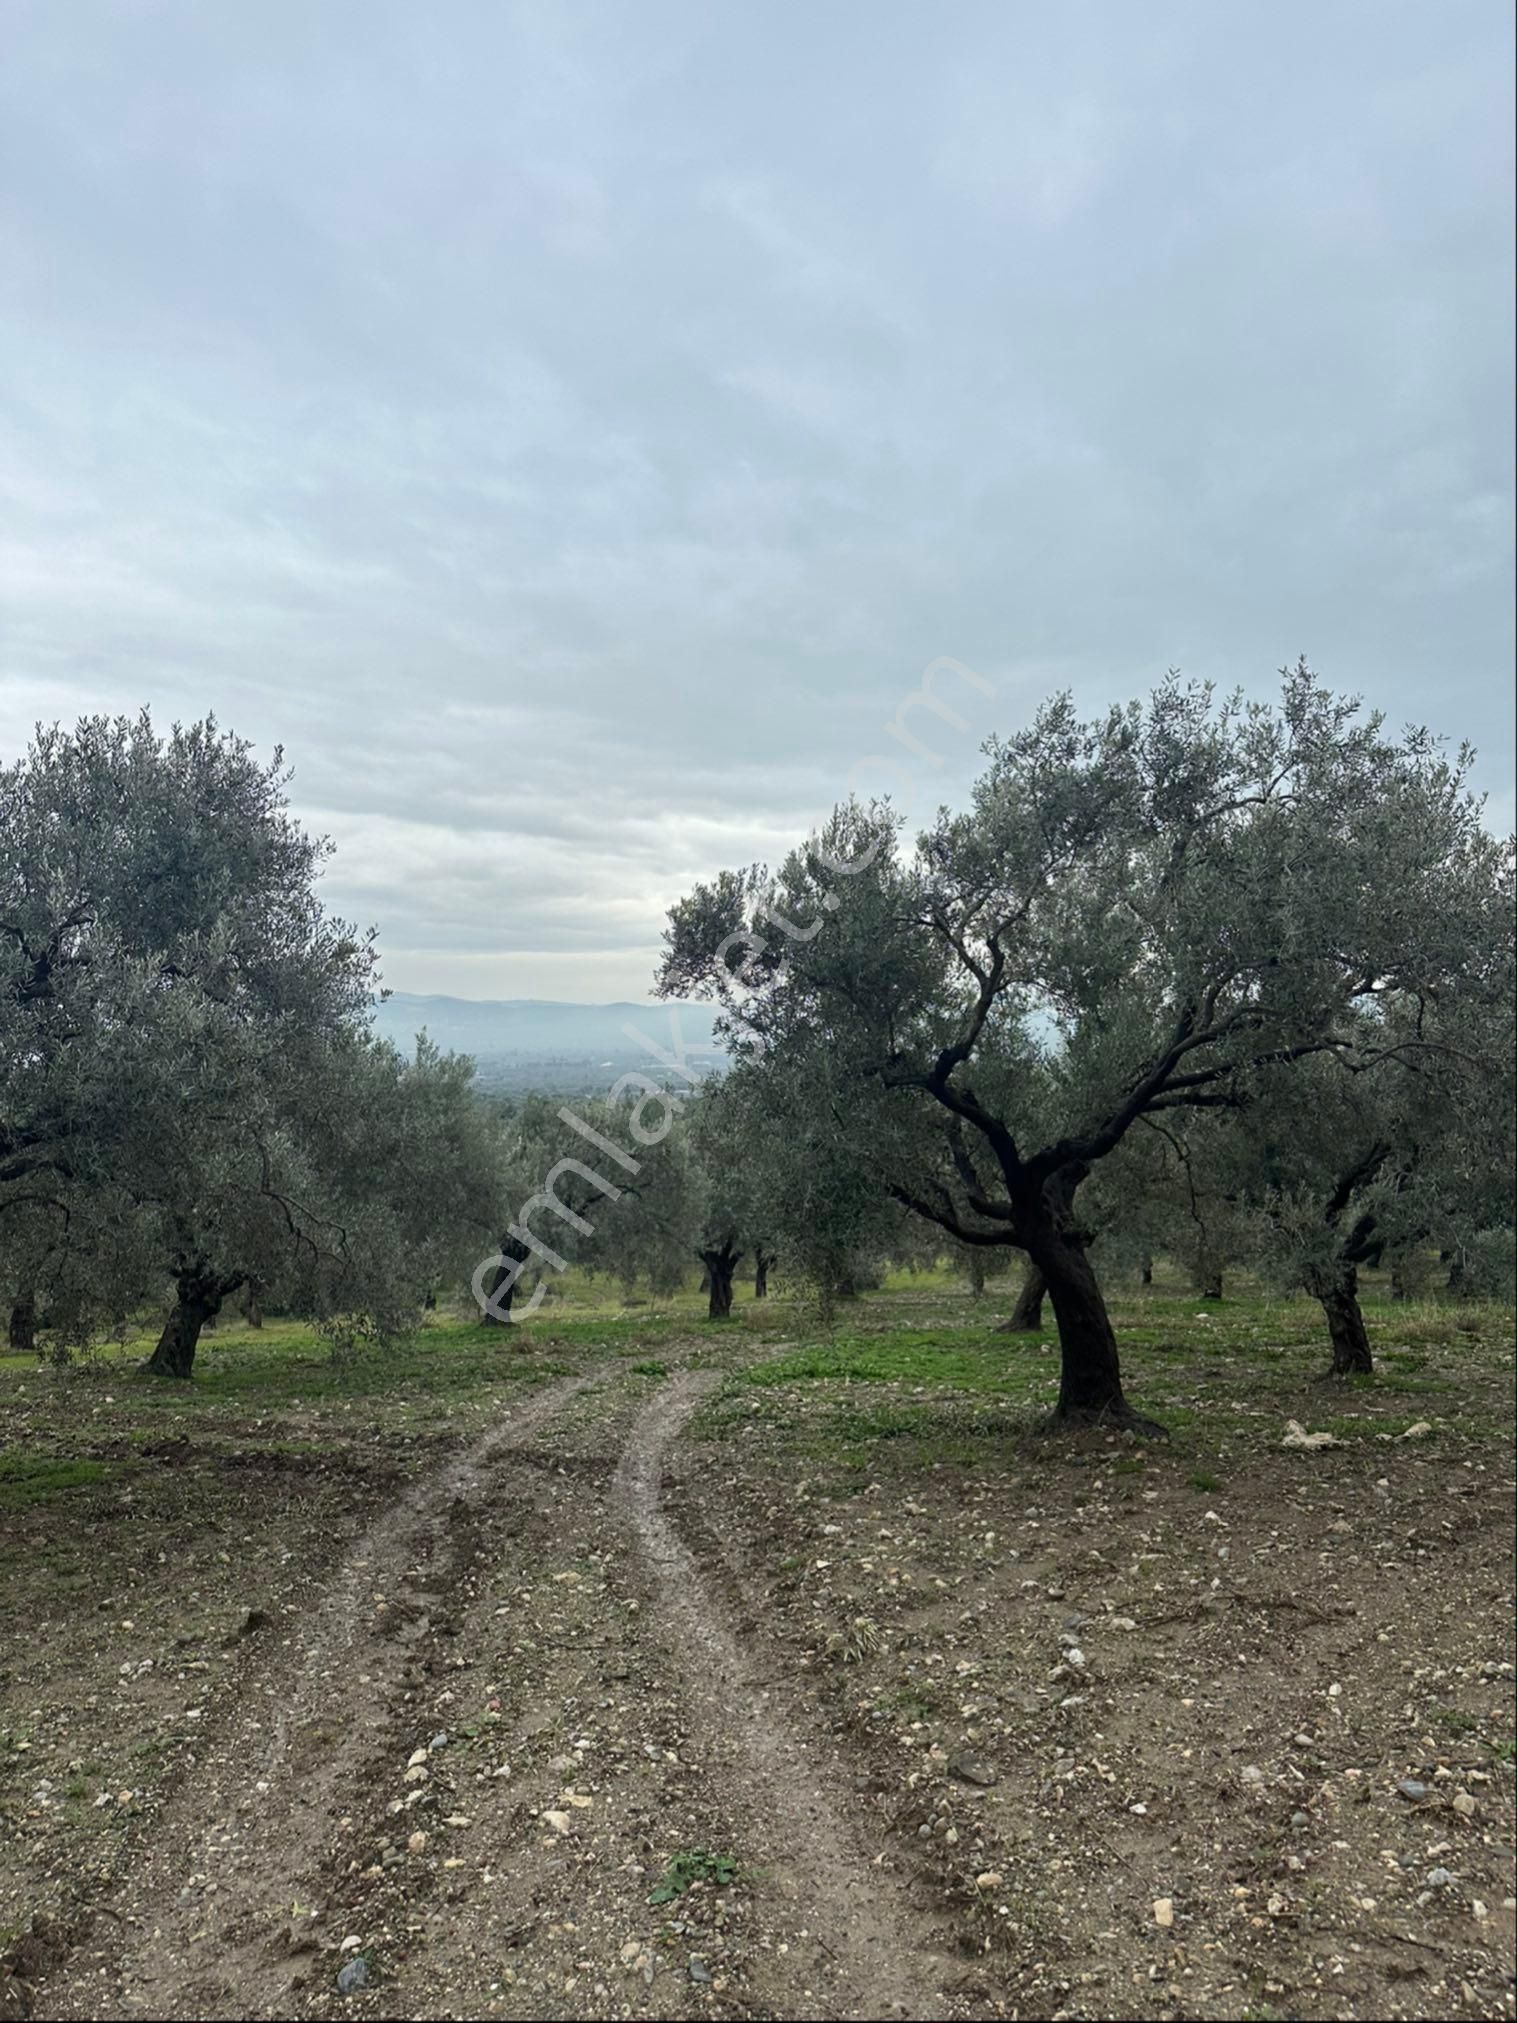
[785,1672]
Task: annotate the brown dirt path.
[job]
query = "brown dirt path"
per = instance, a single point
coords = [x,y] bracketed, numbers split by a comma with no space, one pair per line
[877,1964]
[239,1846]
[638,1720]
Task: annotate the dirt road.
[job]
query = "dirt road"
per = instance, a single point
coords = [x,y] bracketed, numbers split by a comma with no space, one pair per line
[515,1711]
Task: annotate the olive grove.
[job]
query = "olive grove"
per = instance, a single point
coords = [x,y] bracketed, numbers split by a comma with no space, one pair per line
[1174,909]
[1226,982]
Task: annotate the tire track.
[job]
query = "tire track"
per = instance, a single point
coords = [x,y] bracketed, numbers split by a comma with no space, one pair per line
[242,1843]
[421,1517]
[882,1969]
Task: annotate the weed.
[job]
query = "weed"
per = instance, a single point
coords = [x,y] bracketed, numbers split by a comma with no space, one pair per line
[693,1865]
[859,1640]
[910,1703]
[1453,1720]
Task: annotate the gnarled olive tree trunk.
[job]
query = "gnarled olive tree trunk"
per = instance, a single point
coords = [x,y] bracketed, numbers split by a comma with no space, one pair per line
[200,1293]
[1090,1373]
[496,1313]
[1207,1279]
[721,1261]
[23,1324]
[1026,1317]
[762,1259]
[1338,1294]
[514,1255]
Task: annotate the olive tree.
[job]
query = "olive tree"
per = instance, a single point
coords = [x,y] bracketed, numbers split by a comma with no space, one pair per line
[1178,1185]
[1382,1150]
[188,1089]
[730,1199]
[605,1182]
[1132,918]
[345,1183]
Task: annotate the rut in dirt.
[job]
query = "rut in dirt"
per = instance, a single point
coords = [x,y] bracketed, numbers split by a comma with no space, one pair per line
[385,1550]
[881,1964]
[258,1820]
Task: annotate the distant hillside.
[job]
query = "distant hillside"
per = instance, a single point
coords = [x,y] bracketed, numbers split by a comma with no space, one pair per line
[531,1042]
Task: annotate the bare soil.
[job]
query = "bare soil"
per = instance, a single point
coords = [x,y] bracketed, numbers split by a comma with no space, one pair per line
[648,1690]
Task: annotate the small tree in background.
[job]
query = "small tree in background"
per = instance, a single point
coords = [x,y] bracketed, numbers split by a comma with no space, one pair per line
[576,1183]
[793,1180]
[1345,1167]
[729,1192]
[1026,1316]
[1175,1187]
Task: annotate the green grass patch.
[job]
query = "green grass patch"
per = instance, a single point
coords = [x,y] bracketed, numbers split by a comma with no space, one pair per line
[854,1435]
[36,1478]
[917,1380]
[287,1362]
[936,1357]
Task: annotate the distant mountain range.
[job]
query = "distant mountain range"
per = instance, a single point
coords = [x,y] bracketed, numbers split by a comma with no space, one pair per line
[520,1040]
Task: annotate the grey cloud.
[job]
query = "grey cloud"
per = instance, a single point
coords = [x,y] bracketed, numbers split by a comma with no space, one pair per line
[573,431]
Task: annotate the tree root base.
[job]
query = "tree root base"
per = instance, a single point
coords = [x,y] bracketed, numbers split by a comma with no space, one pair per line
[1105,1419]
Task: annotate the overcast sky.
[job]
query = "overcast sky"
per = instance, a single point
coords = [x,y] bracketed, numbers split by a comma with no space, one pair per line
[572,429]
